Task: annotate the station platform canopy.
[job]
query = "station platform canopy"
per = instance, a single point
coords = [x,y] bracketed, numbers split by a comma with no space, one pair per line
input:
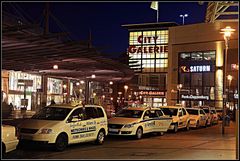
[26,48]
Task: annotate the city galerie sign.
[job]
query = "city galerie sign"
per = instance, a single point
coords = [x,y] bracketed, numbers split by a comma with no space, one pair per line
[147,49]
[151,93]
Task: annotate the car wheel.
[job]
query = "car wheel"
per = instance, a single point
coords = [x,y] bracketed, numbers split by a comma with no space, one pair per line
[188,126]
[61,142]
[205,124]
[175,128]
[100,137]
[197,125]
[139,133]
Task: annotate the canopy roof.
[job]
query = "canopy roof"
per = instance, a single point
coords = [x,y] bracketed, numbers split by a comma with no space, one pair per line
[25,48]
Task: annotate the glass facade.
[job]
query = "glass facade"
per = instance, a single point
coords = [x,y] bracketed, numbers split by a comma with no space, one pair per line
[148,51]
[148,57]
[16,92]
[54,90]
[197,76]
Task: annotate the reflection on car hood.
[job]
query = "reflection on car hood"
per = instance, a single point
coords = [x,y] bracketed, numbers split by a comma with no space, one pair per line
[123,120]
[37,124]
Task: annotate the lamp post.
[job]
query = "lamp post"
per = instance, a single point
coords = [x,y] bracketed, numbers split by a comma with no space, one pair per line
[183,16]
[227,31]
[179,87]
[125,94]
[229,77]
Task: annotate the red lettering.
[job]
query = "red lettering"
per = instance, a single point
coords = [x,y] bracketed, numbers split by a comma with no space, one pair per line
[150,49]
[132,49]
[139,50]
[156,49]
[140,39]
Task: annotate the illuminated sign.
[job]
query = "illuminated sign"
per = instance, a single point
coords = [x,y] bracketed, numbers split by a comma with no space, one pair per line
[152,93]
[147,49]
[196,68]
[192,97]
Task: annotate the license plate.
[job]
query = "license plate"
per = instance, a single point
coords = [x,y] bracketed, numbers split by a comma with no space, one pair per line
[113,130]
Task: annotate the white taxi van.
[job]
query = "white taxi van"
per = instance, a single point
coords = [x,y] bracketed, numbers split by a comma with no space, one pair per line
[197,117]
[9,138]
[136,121]
[180,117]
[61,125]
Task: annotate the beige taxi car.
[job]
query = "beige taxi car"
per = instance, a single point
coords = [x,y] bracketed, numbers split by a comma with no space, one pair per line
[180,117]
[61,125]
[212,114]
[198,117]
[9,138]
[136,121]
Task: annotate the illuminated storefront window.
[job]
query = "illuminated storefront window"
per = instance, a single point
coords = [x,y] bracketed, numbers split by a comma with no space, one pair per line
[148,50]
[15,76]
[197,75]
[54,86]
[54,90]
[16,91]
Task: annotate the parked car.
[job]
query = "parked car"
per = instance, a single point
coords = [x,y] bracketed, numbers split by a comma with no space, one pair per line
[61,125]
[9,138]
[212,114]
[198,117]
[180,117]
[136,121]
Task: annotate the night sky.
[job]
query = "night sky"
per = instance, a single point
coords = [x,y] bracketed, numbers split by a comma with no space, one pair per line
[104,19]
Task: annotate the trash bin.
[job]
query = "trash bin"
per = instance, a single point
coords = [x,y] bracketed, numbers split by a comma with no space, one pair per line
[226,120]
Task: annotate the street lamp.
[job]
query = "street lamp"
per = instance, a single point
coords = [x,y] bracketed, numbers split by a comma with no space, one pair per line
[179,87]
[227,31]
[183,16]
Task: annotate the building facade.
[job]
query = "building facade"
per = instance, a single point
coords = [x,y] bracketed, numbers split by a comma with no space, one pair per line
[183,64]
[148,56]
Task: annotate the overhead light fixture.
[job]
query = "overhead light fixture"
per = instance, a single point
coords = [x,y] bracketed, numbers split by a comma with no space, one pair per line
[93,76]
[81,81]
[55,67]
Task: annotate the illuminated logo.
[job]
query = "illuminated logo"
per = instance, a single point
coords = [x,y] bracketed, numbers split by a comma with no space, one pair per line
[185,69]
[198,68]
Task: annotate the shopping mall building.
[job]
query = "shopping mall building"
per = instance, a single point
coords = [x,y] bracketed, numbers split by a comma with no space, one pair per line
[183,63]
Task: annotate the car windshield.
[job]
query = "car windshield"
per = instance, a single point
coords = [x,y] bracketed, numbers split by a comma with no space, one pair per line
[129,113]
[52,113]
[192,111]
[170,111]
[206,110]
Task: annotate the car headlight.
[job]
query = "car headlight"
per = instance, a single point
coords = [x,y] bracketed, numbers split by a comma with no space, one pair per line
[129,125]
[46,131]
